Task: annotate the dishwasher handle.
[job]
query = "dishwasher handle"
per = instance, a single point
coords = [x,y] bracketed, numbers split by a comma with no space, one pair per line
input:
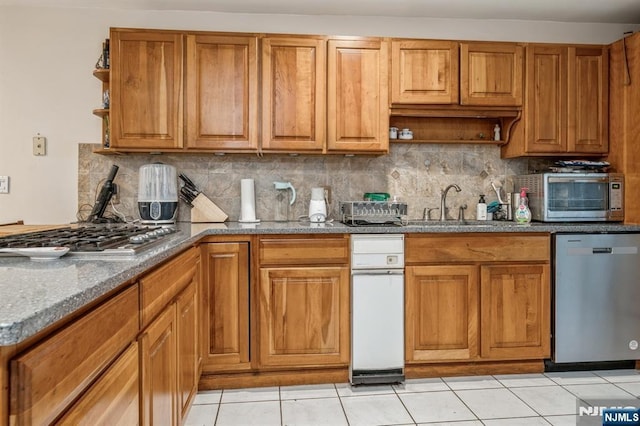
[602,250]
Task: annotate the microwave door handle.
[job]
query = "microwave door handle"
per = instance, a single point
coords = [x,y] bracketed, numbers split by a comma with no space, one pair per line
[574,180]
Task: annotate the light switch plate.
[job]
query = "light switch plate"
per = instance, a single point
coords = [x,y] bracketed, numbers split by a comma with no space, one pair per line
[39,145]
[4,184]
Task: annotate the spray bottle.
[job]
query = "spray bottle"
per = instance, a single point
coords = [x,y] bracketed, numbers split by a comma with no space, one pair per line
[522,215]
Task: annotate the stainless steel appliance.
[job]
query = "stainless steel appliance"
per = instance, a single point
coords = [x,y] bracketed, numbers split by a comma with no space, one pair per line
[574,197]
[377,308]
[372,213]
[119,240]
[596,297]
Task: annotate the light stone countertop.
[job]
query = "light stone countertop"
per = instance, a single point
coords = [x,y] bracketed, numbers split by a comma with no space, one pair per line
[35,295]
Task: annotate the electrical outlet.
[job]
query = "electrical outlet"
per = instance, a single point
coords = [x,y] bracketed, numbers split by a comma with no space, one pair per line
[4,184]
[39,145]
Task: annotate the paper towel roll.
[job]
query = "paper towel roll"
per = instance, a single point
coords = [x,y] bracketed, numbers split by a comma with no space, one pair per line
[247,201]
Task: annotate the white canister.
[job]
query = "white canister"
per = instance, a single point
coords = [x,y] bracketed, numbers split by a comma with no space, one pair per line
[393,133]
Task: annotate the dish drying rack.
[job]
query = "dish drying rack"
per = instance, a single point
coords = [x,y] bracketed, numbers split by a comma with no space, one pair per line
[371,213]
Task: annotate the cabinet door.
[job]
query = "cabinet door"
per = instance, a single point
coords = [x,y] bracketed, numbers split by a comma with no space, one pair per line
[188,350]
[293,94]
[441,316]
[304,316]
[491,74]
[158,371]
[146,89]
[113,399]
[515,311]
[358,96]
[588,103]
[225,318]
[424,72]
[222,92]
[47,379]
[546,99]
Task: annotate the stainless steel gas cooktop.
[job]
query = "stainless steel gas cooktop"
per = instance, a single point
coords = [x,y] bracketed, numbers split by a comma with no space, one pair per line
[94,240]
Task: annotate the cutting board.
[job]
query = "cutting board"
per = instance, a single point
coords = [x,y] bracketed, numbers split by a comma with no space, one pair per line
[23,229]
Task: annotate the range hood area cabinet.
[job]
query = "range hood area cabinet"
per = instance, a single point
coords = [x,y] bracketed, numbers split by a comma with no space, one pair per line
[247,92]
[453,92]
[566,102]
[447,72]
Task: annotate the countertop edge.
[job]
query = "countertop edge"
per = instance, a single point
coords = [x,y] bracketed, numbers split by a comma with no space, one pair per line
[14,332]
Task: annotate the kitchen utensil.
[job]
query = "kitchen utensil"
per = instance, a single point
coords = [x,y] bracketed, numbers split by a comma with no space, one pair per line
[283,200]
[158,193]
[38,253]
[317,206]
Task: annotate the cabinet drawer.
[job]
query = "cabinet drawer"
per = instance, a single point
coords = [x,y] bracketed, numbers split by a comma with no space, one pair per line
[47,378]
[443,248]
[304,251]
[161,286]
[113,399]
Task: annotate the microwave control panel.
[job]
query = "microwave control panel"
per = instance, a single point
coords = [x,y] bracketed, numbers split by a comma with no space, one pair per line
[616,195]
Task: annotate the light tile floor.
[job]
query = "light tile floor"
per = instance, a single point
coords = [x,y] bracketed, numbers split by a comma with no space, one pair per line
[509,400]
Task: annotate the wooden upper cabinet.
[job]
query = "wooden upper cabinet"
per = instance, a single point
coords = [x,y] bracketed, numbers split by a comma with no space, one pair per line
[491,74]
[424,72]
[222,92]
[358,95]
[566,101]
[546,94]
[146,89]
[588,104]
[293,94]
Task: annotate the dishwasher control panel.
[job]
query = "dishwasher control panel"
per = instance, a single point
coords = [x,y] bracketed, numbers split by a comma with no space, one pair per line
[377,251]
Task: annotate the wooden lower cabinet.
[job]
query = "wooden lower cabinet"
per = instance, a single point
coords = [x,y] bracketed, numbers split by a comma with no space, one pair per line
[188,360]
[496,307]
[169,345]
[48,378]
[225,316]
[441,313]
[304,316]
[113,399]
[515,311]
[158,363]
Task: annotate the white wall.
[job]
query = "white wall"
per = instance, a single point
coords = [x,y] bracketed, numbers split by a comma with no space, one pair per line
[47,56]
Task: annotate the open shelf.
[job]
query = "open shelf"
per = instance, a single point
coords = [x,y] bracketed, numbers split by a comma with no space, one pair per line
[453,124]
[101,74]
[101,112]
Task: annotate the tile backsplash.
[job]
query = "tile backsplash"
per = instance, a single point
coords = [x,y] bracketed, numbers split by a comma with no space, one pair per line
[414,173]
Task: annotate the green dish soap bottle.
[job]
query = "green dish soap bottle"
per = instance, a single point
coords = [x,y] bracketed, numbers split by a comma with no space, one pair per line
[523,214]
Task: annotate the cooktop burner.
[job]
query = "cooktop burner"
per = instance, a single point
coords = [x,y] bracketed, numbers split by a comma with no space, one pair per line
[119,239]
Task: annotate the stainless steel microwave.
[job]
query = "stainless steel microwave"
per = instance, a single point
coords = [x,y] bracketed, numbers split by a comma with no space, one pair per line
[574,197]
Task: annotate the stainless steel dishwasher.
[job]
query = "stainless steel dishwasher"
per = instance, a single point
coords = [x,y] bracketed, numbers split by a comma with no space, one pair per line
[596,297]
[377,308]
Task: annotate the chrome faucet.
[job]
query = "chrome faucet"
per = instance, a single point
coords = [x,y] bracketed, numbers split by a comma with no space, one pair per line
[443,201]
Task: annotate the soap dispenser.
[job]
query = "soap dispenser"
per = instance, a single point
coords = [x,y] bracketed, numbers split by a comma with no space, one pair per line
[481,209]
[522,215]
